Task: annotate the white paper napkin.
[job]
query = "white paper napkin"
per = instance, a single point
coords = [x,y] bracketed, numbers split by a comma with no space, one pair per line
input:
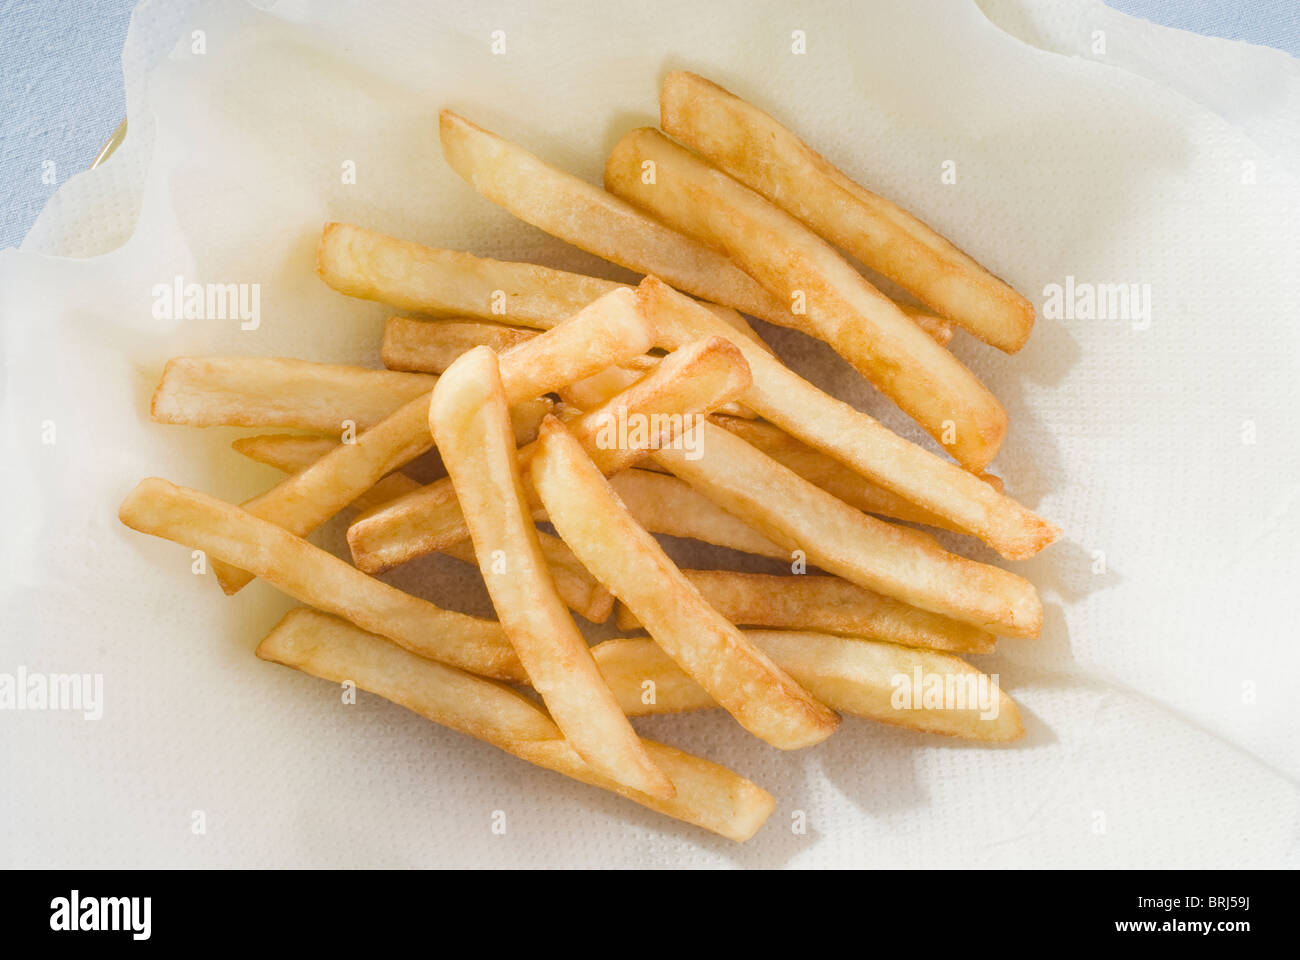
[1159,702]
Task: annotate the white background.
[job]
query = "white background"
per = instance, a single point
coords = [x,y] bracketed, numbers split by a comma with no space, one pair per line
[1158,702]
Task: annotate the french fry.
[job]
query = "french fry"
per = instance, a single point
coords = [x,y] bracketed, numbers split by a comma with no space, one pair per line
[591,392]
[675,419]
[937,328]
[853,676]
[302,502]
[664,504]
[752,147]
[778,394]
[708,795]
[834,477]
[468,419]
[313,576]
[829,474]
[275,392]
[579,590]
[694,379]
[659,501]
[291,453]
[596,221]
[430,346]
[623,556]
[896,561]
[366,264]
[827,605]
[611,329]
[841,307]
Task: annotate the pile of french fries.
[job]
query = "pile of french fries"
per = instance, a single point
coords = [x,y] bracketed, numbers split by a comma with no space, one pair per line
[525,378]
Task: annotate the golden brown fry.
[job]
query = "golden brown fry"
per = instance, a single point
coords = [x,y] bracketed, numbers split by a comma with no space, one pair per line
[696,379]
[708,795]
[896,561]
[310,575]
[596,221]
[691,380]
[864,678]
[274,392]
[579,590]
[825,604]
[765,156]
[291,453]
[623,556]
[609,330]
[367,264]
[468,419]
[600,223]
[664,504]
[429,346]
[659,501]
[302,502]
[370,265]
[348,472]
[841,307]
[855,439]
[834,477]
[426,520]
[591,392]
[938,329]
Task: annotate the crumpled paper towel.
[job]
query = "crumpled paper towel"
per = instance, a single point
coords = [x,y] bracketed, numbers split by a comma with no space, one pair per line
[1159,703]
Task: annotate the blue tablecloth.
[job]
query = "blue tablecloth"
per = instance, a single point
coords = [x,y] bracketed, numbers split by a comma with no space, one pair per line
[61,80]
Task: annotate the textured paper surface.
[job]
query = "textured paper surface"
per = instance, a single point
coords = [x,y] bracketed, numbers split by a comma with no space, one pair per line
[1158,703]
